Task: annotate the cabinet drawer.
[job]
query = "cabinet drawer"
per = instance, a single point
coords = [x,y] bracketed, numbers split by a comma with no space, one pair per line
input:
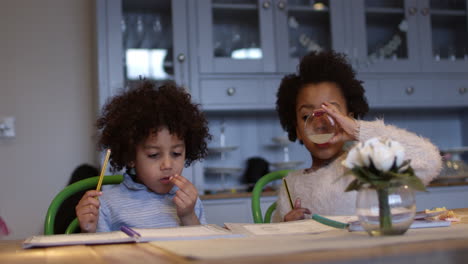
[450,92]
[405,93]
[232,92]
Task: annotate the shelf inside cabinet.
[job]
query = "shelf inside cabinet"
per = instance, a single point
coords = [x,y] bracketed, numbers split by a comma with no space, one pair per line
[222,170]
[383,10]
[448,12]
[234,6]
[221,149]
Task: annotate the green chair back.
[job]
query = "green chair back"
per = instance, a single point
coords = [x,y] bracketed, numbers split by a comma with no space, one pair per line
[257,193]
[68,191]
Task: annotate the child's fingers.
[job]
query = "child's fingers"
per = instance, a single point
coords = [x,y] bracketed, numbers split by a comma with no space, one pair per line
[183,206]
[179,180]
[184,185]
[88,223]
[92,193]
[183,196]
[296,214]
[88,200]
[348,127]
[297,203]
[331,110]
[181,202]
[87,209]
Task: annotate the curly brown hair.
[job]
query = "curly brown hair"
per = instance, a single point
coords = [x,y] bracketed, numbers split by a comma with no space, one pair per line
[317,67]
[129,118]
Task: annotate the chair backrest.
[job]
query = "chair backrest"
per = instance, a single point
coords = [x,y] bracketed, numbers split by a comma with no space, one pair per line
[68,191]
[257,193]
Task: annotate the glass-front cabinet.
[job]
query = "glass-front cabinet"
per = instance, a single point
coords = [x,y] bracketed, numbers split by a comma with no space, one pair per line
[302,26]
[444,26]
[411,35]
[385,36]
[246,36]
[140,39]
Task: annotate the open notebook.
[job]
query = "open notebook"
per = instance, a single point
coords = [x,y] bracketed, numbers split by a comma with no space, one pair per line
[147,234]
[318,224]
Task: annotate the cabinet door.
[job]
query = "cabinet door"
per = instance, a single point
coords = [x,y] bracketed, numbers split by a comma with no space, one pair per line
[444,35]
[385,36]
[140,39]
[235,36]
[304,26]
[154,40]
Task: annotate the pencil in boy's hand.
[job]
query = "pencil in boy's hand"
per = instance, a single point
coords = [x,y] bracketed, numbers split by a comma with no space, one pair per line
[287,191]
[103,170]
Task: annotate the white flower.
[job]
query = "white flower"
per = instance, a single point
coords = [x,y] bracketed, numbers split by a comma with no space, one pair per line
[382,152]
[398,151]
[353,159]
[382,157]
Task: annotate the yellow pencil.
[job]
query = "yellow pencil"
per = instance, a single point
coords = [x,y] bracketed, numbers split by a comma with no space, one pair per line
[103,170]
[287,191]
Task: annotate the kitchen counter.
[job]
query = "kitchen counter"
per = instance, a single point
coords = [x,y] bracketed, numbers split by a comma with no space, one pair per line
[445,184]
[234,195]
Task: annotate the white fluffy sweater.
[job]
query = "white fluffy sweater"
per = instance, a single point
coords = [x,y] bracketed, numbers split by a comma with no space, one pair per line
[322,193]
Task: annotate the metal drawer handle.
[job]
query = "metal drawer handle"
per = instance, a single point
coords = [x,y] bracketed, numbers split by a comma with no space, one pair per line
[231,91]
[425,11]
[281,5]
[409,90]
[412,11]
[181,57]
[462,90]
[266,4]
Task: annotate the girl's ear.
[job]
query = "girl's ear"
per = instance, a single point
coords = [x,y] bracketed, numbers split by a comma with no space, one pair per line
[298,133]
[351,114]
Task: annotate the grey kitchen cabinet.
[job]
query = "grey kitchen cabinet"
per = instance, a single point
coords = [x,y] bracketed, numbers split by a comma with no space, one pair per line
[264,36]
[192,41]
[408,36]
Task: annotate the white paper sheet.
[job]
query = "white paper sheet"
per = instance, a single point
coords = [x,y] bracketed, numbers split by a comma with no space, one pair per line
[148,234]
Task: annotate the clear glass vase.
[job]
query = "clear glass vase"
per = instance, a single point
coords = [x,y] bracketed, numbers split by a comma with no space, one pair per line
[386,211]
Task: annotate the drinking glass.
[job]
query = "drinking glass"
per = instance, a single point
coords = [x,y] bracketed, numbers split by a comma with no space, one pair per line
[320,127]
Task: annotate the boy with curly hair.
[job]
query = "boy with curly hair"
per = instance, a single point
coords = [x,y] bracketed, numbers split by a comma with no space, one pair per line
[327,83]
[153,133]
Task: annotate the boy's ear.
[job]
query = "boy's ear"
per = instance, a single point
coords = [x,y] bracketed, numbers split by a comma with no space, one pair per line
[351,114]
[131,164]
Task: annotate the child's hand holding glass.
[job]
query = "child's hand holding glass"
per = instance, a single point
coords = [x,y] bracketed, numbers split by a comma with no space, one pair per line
[347,128]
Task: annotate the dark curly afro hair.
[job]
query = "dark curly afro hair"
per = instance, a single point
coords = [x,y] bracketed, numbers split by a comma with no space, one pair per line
[317,67]
[129,118]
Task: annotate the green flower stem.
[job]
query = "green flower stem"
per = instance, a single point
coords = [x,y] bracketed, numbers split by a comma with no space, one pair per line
[384,211]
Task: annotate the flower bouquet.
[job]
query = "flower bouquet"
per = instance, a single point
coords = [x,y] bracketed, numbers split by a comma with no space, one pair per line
[384,181]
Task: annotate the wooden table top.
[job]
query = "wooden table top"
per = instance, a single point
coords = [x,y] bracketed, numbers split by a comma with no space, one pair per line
[437,251]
